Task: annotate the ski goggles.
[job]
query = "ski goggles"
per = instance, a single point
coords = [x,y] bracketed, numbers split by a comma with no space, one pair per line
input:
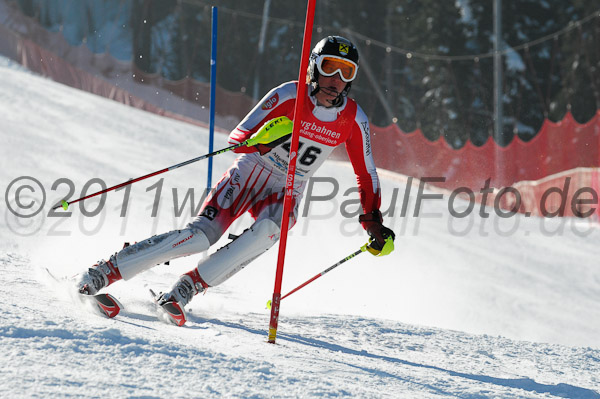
[329,65]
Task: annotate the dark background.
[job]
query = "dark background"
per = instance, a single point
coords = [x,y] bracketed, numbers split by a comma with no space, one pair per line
[430,61]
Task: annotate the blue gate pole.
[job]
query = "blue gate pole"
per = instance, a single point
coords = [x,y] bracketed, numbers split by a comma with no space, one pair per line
[213,84]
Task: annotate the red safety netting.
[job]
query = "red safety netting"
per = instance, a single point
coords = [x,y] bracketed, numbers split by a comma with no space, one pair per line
[563,156]
[557,147]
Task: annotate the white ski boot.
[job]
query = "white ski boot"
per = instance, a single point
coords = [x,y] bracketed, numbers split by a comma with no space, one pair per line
[182,292]
[97,277]
[171,304]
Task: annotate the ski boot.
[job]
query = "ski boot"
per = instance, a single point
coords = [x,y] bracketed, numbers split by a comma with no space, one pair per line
[97,277]
[171,304]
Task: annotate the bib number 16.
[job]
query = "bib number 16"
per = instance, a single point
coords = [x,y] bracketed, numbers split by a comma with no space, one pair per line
[308,157]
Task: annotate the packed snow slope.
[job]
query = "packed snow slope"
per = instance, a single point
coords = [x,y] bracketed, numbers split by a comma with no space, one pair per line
[464,307]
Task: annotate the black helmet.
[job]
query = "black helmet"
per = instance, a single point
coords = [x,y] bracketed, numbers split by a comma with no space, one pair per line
[331,45]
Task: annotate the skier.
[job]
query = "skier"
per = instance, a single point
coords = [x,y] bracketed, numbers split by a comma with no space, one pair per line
[255,182]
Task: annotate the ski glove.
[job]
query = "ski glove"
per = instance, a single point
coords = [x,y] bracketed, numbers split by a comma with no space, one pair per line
[271,134]
[264,148]
[382,238]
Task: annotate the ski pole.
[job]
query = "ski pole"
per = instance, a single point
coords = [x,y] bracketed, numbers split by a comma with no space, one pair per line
[347,258]
[65,205]
[270,131]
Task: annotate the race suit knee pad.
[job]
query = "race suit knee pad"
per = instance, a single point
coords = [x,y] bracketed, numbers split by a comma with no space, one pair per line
[158,249]
[233,257]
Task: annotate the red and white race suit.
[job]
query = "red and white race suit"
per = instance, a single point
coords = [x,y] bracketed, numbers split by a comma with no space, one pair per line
[255,183]
[322,129]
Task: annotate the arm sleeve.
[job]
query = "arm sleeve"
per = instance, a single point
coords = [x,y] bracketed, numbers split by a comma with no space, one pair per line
[278,102]
[359,151]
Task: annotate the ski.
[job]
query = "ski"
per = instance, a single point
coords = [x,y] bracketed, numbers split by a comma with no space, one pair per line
[170,312]
[102,304]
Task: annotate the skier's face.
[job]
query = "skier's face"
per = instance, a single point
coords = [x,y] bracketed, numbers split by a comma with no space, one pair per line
[330,88]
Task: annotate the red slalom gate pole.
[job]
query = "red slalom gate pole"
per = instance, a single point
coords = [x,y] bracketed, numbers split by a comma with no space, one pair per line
[291,172]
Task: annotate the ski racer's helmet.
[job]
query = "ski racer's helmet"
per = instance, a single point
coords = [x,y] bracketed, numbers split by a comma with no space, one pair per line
[331,55]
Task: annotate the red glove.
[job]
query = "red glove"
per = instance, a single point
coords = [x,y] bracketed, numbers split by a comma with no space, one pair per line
[373,224]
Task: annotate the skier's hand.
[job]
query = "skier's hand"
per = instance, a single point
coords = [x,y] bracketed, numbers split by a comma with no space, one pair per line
[272,132]
[265,148]
[382,238]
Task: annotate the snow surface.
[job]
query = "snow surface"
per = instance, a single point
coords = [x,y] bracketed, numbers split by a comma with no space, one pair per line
[470,308]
